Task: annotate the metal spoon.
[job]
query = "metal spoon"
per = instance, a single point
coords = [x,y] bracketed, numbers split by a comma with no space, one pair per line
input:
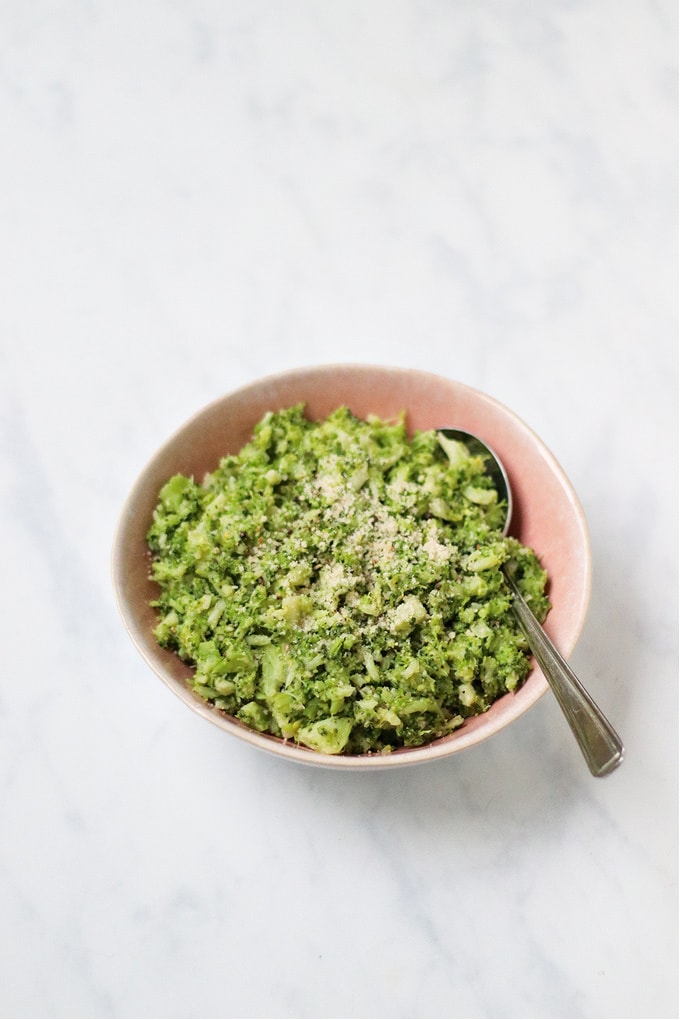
[600,744]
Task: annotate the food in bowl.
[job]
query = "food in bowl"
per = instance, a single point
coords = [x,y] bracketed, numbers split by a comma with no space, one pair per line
[338,584]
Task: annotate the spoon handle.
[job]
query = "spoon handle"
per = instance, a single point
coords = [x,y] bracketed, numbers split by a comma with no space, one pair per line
[601,746]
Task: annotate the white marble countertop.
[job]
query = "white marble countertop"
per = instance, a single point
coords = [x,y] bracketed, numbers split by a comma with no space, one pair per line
[196,194]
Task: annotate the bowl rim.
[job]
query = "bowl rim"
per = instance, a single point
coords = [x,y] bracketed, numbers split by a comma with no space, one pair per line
[476,730]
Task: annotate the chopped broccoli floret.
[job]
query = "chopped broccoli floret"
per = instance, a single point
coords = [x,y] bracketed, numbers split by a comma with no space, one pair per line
[340,584]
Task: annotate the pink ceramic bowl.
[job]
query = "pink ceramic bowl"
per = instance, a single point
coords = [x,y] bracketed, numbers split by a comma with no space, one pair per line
[547,516]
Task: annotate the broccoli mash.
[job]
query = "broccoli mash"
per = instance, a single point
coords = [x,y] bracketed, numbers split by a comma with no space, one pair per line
[338,583]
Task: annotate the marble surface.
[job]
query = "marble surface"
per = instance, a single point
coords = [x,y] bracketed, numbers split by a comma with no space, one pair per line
[193,194]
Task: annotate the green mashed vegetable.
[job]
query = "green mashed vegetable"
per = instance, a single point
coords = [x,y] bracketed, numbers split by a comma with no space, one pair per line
[339,585]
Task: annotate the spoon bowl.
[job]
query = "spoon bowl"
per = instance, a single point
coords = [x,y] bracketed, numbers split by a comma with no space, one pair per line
[494,466]
[600,744]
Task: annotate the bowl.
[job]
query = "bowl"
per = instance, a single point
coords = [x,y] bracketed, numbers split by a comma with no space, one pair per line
[546,516]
